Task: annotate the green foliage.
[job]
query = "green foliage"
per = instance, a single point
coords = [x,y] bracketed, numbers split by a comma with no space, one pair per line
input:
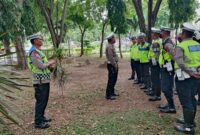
[116,14]
[31,17]
[181,11]
[8,17]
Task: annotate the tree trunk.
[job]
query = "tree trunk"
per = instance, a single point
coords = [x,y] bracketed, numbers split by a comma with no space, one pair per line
[6,44]
[155,12]
[150,3]
[82,38]
[21,58]
[139,11]
[120,51]
[102,38]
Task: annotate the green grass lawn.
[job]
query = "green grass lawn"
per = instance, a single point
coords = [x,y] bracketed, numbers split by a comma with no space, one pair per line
[133,122]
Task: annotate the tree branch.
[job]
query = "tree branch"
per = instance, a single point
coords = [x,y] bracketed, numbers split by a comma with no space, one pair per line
[138,7]
[62,20]
[155,11]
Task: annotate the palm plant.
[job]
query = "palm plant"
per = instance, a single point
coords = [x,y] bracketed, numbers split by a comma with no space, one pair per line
[10,83]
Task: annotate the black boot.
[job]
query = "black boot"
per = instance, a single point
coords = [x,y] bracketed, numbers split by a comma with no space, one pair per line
[188,126]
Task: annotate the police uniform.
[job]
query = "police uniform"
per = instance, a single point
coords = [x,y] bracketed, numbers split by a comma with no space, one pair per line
[38,65]
[112,66]
[187,59]
[144,62]
[154,54]
[167,71]
[132,56]
[134,60]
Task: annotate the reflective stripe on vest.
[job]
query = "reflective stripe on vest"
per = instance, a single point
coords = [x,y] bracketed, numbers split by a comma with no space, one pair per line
[143,53]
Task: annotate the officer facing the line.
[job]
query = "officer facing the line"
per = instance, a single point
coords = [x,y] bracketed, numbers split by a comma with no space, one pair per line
[38,65]
[187,57]
[112,66]
[166,70]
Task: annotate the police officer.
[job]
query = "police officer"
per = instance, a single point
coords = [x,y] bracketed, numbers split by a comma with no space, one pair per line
[112,66]
[144,61]
[154,53]
[137,62]
[187,57]
[166,70]
[133,54]
[38,65]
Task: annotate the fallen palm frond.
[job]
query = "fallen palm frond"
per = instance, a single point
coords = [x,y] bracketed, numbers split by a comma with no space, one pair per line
[10,83]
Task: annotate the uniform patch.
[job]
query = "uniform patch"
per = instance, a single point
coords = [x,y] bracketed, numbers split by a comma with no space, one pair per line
[194,48]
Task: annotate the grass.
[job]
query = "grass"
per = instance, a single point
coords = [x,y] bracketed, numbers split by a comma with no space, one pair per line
[133,122]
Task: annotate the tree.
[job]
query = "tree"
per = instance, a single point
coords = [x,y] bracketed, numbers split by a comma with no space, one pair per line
[54,23]
[139,11]
[116,14]
[186,11]
[81,17]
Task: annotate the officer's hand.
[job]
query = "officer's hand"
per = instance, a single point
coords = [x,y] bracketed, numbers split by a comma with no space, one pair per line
[196,75]
[51,62]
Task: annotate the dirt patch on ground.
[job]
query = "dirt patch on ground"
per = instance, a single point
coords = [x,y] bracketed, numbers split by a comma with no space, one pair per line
[84,96]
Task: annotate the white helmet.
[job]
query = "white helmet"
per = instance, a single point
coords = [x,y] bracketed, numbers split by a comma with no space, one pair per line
[197,35]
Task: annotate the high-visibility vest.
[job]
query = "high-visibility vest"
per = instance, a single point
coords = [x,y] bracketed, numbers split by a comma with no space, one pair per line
[191,50]
[38,74]
[134,52]
[154,49]
[143,53]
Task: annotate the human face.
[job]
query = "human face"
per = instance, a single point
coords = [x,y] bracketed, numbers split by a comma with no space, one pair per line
[113,40]
[38,42]
[134,41]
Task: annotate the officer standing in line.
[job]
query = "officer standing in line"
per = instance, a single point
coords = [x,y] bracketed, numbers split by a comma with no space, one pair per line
[112,66]
[166,70]
[137,62]
[154,53]
[38,65]
[187,57]
[144,61]
[132,56]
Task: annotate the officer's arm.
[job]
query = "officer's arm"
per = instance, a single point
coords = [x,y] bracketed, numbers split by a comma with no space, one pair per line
[37,60]
[169,48]
[179,58]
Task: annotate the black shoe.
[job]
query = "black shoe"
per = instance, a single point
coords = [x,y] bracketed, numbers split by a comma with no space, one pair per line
[130,78]
[115,95]
[42,125]
[143,87]
[168,110]
[47,119]
[155,98]
[136,82]
[181,121]
[110,98]
[150,93]
[163,106]
[184,129]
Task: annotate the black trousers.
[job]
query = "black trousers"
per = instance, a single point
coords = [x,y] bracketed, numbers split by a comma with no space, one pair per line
[187,89]
[133,68]
[42,97]
[138,71]
[167,82]
[155,80]
[112,79]
[145,74]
